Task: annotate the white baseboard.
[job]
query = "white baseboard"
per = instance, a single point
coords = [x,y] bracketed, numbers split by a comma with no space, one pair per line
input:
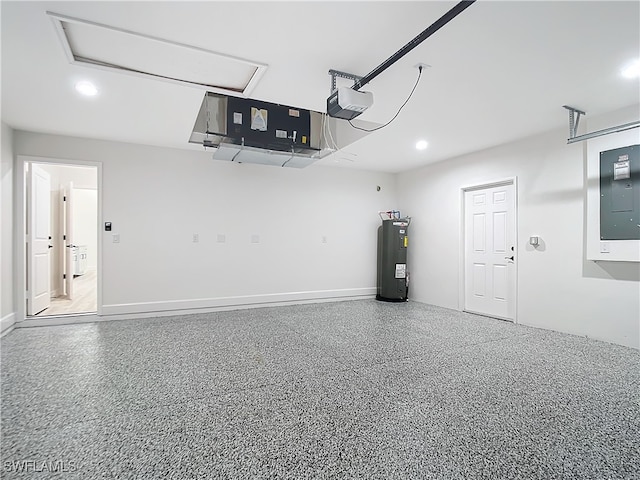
[57,320]
[174,307]
[7,323]
[185,307]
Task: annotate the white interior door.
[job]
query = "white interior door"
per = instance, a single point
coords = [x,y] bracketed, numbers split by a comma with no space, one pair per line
[70,250]
[489,265]
[38,240]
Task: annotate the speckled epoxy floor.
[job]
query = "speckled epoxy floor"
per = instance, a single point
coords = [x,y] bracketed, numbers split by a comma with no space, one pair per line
[360,389]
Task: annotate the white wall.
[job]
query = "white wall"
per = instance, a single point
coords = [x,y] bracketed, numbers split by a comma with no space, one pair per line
[157,198]
[7,304]
[85,217]
[557,287]
[81,176]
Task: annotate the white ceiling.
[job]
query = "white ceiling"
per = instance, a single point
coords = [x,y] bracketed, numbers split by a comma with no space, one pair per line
[500,71]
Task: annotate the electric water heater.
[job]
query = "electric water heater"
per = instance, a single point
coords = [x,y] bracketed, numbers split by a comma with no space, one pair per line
[393,276]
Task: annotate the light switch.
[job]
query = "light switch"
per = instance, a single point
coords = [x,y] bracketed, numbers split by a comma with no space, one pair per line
[534,240]
[116,238]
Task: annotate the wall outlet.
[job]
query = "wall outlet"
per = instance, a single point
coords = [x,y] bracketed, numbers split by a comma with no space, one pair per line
[116,238]
[324,239]
[255,238]
[196,238]
[221,238]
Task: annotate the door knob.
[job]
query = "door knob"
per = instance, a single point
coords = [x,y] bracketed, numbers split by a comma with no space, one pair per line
[509,258]
[71,246]
[50,246]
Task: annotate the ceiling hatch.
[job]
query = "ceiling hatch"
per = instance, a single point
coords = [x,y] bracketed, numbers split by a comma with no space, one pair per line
[109,48]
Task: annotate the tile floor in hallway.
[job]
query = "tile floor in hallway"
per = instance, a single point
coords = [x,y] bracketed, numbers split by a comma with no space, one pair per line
[84,297]
[356,389]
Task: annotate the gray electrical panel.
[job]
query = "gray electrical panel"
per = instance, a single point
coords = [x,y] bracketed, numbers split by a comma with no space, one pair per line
[620,193]
[393,280]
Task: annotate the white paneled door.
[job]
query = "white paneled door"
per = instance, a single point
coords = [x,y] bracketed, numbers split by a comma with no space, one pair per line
[489,258]
[38,241]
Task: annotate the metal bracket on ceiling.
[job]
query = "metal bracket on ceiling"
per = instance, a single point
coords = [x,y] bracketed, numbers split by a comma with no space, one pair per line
[574,119]
[336,73]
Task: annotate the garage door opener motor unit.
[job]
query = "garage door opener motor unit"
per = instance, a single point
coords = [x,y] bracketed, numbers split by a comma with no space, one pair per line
[393,241]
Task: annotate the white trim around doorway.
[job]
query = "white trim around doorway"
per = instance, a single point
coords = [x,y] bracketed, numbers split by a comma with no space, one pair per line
[21,317]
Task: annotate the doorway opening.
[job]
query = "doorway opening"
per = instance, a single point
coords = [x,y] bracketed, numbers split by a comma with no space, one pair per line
[61,226]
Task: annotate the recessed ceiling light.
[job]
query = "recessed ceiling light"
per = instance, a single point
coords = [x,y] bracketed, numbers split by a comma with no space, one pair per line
[632,70]
[421,145]
[86,88]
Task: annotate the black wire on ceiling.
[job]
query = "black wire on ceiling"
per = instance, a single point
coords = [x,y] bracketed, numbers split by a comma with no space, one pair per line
[399,110]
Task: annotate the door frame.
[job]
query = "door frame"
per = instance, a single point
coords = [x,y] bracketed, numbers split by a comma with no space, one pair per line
[461,276]
[20,242]
[67,229]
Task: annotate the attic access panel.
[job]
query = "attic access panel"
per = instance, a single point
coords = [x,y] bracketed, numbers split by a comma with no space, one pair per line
[620,193]
[101,46]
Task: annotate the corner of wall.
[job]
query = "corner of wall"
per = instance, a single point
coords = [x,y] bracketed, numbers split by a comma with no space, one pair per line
[558,288]
[7,301]
[7,323]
